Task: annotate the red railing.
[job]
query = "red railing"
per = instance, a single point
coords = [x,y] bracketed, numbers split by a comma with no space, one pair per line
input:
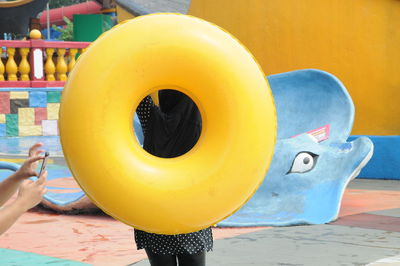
[37,63]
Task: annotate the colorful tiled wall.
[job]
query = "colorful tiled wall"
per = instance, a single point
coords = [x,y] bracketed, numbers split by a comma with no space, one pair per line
[29,113]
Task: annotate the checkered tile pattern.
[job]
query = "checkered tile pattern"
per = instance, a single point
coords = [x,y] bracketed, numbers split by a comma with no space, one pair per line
[29,113]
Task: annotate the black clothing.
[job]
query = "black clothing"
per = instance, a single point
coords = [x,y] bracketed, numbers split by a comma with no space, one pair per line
[191,243]
[198,259]
[174,128]
[170,131]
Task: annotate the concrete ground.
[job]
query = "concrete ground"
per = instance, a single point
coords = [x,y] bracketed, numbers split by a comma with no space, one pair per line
[366,238]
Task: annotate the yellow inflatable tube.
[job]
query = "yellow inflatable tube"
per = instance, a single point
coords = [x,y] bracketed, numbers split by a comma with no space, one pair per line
[189,192]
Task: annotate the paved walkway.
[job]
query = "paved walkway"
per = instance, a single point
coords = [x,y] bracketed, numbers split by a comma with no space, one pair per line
[367,232]
[357,239]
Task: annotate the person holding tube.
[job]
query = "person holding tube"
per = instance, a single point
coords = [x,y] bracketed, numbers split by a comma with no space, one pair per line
[170,130]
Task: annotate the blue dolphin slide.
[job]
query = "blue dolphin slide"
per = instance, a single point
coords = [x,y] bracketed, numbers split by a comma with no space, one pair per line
[309,170]
[312,163]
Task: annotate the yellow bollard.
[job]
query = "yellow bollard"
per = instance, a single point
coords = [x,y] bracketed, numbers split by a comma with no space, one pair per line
[11,66]
[72,61]
[24,67]
[49,66]
[61,66]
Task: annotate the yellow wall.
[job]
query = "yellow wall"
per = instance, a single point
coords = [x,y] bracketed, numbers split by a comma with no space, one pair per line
[356,40]
[122,14]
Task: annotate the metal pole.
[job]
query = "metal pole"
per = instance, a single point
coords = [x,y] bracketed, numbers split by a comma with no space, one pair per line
[48,21]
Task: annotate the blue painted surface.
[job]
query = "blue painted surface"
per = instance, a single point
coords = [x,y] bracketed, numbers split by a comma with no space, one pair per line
[16,258]
[64,199]
[37,99]
[385,163]
[21,145]
[9,166]
[3,130]
[306,100]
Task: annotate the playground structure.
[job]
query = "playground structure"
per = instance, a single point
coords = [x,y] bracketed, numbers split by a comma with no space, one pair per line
[31,84]
[363,67]
[24,110]
[313,162]
[34,111]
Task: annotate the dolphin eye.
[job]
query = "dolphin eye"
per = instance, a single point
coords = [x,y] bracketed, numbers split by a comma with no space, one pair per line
[304,162]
